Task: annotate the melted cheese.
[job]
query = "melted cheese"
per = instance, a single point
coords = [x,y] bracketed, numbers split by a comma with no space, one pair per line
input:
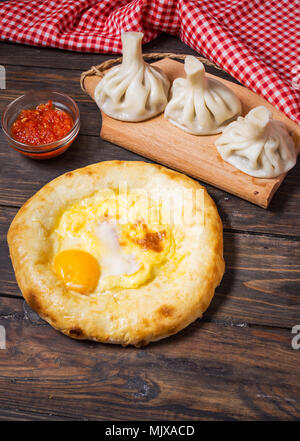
[129,253]
[114,261]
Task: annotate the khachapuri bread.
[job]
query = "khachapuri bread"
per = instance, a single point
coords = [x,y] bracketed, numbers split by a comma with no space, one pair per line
[118,252]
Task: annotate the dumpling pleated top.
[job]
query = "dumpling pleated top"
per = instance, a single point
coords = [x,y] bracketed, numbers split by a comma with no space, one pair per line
[258,145]
[133,90]
[200,105]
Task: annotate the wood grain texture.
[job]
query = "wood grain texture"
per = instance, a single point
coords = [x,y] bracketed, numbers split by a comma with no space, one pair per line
[234,364]
[22,55]
[185,377]
[196,156]
[260,285]
[23,78]
[282,216]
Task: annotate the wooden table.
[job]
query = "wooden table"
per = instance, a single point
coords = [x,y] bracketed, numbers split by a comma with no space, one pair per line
[235,363]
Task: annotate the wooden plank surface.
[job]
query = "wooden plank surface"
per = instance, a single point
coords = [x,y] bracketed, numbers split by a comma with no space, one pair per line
[22,55]
[282,216]
[258,287]
[196,156]
[235,363]
[104,382]
[19,79]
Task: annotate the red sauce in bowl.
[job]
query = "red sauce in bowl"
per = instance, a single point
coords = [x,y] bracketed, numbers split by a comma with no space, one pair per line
[42,125]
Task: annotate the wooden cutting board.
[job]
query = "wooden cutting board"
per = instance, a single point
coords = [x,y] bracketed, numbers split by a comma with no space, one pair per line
[196,156]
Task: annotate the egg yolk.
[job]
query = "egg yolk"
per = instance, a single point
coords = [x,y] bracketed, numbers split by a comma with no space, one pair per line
[78,270]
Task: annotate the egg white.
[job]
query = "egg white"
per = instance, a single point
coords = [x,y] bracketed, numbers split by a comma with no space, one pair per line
[115,236]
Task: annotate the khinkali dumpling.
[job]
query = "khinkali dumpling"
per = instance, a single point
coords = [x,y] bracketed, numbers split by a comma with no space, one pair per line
[258,145]
[133,90]
[200,105]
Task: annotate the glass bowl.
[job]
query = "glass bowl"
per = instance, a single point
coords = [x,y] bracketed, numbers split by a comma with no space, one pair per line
[29,101]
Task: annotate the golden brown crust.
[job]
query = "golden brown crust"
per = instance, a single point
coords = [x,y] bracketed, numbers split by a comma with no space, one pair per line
[160,308]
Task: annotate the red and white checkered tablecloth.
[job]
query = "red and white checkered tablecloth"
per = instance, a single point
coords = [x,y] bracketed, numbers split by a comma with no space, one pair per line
[253,40]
